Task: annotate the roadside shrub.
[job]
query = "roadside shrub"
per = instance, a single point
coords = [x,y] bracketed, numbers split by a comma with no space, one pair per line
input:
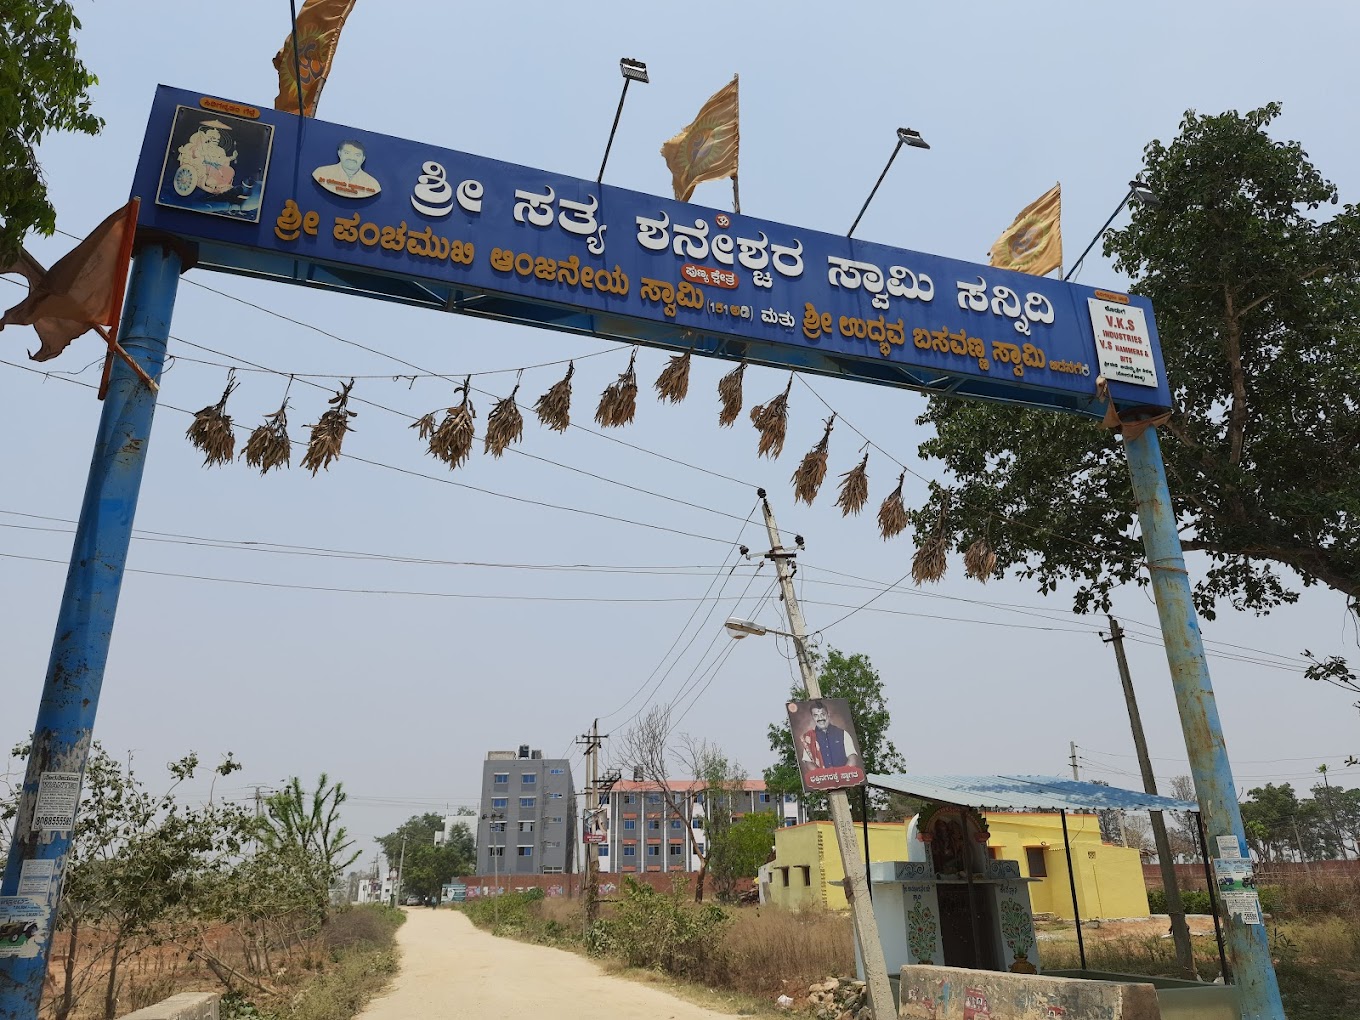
[370,926]
[1195,901]
[664,932]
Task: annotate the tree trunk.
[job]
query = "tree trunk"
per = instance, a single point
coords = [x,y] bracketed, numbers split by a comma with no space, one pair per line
[699,881]
[111,990]
[62,1008]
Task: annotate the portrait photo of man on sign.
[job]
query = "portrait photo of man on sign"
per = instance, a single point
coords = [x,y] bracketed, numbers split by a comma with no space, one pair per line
[826,745]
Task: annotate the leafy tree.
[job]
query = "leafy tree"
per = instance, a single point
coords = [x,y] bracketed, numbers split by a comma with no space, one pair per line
[740,851]
[416,829]
[302,831]
[854,678]
[427,865]
[1258,308]
[1271,814]
[43,87]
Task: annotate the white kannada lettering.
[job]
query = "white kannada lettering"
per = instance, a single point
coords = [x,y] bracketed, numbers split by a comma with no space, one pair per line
[534,208]
[432,195]
[470,196]
[654,235]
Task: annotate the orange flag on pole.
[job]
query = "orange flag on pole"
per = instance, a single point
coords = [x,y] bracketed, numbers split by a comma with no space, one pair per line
[82,291]
[318,28]
[707,149]
[1033,243]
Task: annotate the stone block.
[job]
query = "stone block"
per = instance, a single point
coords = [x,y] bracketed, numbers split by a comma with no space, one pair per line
[954,993]
[184,1006]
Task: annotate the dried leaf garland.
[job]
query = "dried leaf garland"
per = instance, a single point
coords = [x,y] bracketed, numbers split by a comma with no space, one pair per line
[772,421]
[979,561]
[554,407]
[425,426]
[211,429]
[673,382]
[328,434]
[618,402]
[854,488]
[930,563]
[729,394]
[451,440]
[892,514]
[504,425]
[807,480]
[269,446]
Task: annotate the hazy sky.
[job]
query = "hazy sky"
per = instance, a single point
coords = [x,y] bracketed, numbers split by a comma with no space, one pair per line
[399,690]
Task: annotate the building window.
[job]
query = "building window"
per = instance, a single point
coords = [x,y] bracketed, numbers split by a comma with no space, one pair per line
[526,802]
[500,802]
[699,849]
[784,875]
[528,778]
[764,798]
[525,851]
[629,798]
[676,849]
[1034,859]
[806,869]
[497,826]
[554,796]
[790,821]
[675,823]
[698,823]
[555,772]
[495,851]
[630,851]
[698,798]
[501,777]
[551,871]
[653,824]
[630,823]
[654,850]
[994,853]
[555,820]
[552,844]
[790,798]
[526,826]
[604,849]
[653,798]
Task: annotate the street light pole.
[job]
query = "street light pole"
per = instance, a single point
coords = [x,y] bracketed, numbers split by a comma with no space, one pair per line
[856,884]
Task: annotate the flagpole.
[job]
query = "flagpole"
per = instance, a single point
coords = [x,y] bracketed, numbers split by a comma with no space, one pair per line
[736,195]
[297,60]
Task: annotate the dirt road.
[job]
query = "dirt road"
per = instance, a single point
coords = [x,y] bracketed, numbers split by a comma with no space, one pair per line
[453,971]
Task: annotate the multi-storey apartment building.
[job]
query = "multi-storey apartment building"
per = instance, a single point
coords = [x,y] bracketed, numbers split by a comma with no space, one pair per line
[643,832]
[527,822]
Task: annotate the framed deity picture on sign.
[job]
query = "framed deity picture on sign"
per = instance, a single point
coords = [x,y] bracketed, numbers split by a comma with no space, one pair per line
[215,163]
[826,745]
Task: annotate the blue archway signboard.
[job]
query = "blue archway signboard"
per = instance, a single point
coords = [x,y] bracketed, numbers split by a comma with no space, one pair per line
[306,201]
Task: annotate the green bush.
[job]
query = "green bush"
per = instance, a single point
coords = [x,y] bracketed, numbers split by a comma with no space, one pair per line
[1196,901]
[370,926]
[664,932]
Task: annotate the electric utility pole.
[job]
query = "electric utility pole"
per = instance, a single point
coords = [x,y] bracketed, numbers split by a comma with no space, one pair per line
[1180,931]
[856,879]
[591,741]
[401,863]
[1072,744]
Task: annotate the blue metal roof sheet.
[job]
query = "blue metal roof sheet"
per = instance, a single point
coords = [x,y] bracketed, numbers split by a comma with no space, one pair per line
[1027,793]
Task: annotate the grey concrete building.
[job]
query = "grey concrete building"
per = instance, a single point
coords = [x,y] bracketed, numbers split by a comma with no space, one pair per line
[527,821]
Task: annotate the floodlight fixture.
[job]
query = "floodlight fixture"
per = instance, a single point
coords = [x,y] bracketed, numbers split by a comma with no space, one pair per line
[905,136]
[1141,193]
[913,138]
[632,70]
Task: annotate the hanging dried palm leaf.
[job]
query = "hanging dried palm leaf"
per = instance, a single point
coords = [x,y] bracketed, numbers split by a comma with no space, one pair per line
[673,382]
[979,561]
[930,563]
[451,440]
[504,425]
[554,407]
[729,394]
[812,471]
[211,429]
[269,446]
[892,514]
[328,434]
[425,426]
[618,402]
[772,421]
[854,488]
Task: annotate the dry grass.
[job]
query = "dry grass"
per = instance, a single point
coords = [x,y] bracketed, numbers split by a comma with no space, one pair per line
[778,951]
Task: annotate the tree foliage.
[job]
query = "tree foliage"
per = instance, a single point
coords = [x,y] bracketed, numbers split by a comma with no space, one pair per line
[302,831]
[43,87]
[854,678]
[426,865]
[741,850]
[1258,309]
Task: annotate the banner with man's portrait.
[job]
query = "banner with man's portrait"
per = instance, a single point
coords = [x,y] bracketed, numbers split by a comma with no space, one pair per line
[825,744]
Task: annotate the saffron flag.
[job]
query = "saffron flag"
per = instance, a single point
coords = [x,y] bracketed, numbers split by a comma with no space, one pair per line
[707,149]
[83,290]
[317,33]
[1033,243]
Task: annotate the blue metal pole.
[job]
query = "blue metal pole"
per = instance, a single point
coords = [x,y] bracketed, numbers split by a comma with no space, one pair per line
[1247,944]
[75,672]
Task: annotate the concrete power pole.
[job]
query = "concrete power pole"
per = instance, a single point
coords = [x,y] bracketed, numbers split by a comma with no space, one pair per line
[401,863]
[1180,931]
[1073,759]
[591,741]
[856,880]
